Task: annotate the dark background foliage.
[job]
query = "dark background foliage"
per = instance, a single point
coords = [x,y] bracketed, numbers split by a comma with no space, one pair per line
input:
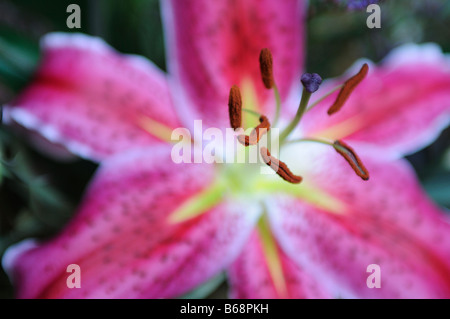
[38,194]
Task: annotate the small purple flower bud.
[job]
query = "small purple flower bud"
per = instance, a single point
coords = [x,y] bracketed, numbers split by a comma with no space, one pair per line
[311,81]
[359,4]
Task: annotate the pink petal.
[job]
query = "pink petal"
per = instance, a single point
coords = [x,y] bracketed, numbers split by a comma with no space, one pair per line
[387,220]
[213,45]
[250,277]
[400,107]
[122,238]
[92,99]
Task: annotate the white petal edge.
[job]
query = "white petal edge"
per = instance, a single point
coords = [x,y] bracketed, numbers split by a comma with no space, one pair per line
[58,40]
[29,121]
[14,251]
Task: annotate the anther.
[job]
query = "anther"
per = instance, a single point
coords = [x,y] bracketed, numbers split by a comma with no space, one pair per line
[279,167]
[256,133]
[265,64]
[311,82]
[235,107]
[348,88]
[352,158]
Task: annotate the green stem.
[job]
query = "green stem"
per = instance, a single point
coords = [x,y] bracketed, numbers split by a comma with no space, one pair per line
[325,96]
[316,140]
[298,116]
[278,105]
[251,112]
[321,141]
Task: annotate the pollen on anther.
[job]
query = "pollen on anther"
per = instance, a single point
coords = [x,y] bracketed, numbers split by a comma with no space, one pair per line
[352,158]
[266,66]
[235,107]
[279,167]
[256,133]
[348,88]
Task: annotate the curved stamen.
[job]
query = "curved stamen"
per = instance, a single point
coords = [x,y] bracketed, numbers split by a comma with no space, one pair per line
[344,150]
[256,133]
[352,158]
[348,88]
[279,167]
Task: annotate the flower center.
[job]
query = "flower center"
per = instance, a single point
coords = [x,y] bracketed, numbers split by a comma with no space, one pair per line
[244,178]
[311,83]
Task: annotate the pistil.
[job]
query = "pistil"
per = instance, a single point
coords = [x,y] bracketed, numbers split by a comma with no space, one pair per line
[298,116]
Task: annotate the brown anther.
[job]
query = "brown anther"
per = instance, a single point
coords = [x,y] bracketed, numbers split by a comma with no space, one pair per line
[279,167]
[352,158]
[348,88]
[256,133]
[265,64]
[235,107]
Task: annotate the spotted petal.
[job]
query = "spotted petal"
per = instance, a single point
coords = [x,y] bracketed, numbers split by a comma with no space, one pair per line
[401,106]
[215,44]
[387,221]
[94,100]
[124,237]
[250,277]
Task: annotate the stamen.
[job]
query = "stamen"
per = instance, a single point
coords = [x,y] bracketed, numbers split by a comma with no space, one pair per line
[279,167]
[235,107]
[265,64]
[348,88]
[352,158]
[256,133]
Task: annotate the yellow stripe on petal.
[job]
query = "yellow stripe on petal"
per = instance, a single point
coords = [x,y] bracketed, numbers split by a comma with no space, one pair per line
[198,204]
[272,256]
[342,129]
[306,192]
[156,129]
[250,102]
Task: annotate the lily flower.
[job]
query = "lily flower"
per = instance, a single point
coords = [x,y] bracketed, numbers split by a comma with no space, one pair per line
[151,228]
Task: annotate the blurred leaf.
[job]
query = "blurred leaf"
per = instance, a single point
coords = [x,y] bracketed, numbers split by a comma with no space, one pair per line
[206,289]
[17,62]
[438,187]
[48,205]
[19,58]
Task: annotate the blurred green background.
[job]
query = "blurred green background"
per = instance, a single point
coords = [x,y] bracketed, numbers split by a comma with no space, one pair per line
[38,194]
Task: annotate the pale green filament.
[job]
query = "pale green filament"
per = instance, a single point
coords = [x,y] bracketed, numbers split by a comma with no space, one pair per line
[325,96]
[252,112]
[317,140]
[278,104]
